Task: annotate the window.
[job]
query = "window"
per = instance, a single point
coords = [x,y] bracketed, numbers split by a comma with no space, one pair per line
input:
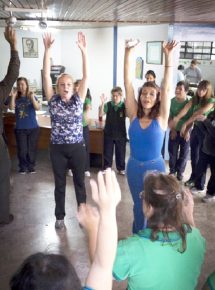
[203,50]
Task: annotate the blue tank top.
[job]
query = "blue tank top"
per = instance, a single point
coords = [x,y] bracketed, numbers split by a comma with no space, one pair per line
[145,144]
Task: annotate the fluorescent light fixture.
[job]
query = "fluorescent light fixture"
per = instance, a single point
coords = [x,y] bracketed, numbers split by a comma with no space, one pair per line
[25,10]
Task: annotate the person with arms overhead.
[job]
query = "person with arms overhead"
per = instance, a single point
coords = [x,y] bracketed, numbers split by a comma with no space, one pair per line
[67,148]
[148,122]
[5,87]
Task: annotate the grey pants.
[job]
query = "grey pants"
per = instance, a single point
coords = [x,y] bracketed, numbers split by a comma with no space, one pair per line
[4,181]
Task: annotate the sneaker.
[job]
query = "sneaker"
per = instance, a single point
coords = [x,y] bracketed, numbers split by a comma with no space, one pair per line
[31,171]
[121,172]
[208,198]
[87,173]
[22,171]
[59,224]
[189,183]
[195,190]
[69,173]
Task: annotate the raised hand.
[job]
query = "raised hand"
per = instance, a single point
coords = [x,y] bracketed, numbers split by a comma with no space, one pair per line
[168,47]
[103,98]
[88,217]
[82,42]
[107,193]
[47,40]
[10,36]
[131,43]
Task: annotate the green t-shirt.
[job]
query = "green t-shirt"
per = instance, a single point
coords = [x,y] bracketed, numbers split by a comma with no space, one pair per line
[153,265]
[116,107]
[196,107]
[86,102]
[175,108]
[211,281]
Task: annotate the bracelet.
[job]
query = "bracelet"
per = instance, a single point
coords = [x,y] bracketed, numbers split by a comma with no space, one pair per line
[168,65]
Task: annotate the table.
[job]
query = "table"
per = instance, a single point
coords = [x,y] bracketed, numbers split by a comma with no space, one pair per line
[96,136]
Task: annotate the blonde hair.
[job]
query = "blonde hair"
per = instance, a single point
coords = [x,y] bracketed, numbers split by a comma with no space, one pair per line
[61,76]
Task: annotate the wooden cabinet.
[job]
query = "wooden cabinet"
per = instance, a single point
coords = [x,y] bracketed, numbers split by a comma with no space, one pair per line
[96,136]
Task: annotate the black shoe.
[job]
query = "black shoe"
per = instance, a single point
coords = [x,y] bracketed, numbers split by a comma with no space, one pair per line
[11,218]
[31,171]
[179,177]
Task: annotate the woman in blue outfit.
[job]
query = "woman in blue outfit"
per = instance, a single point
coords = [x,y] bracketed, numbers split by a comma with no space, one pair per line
[148,122]
[27,130]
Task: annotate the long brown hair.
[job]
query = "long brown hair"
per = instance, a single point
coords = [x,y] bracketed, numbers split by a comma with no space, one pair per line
[204,85]
[155,110]
[27,85]
[166,196]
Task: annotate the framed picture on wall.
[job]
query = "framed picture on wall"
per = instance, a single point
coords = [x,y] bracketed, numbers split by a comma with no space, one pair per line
[30,47]
[154,52]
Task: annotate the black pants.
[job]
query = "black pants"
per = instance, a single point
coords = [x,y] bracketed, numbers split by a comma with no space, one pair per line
[26,140]
[64,156]
[120,150]
[196,140]
[86,135]
[4,181]
[178,154]
[201,169]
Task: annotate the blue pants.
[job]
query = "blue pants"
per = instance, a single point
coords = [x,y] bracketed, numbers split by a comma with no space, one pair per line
[136,171]
[177,162]
[26,140]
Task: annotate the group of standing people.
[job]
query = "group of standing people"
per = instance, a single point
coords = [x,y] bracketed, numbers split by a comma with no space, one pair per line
[160,202]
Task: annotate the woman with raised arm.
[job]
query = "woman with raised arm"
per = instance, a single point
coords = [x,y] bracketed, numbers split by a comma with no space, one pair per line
[148,122]
[67,148]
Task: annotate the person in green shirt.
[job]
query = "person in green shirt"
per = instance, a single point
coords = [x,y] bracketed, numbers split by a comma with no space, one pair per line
[114,130]
[169,253]
[201,104]
[178,146]
[210,283]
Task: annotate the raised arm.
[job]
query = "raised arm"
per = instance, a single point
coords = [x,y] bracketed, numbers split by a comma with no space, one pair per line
[130,101]
[34,101]
[107,195]
[84,82]
[13,95]
[101,107]
[13,67]
[168,49]
[47,81]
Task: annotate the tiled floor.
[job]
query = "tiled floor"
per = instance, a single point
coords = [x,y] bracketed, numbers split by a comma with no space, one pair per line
[32,203]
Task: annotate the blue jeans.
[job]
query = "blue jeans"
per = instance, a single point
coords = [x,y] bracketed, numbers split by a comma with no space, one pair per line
[136,171]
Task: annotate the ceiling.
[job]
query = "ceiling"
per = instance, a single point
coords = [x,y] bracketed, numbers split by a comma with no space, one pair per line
[99,13]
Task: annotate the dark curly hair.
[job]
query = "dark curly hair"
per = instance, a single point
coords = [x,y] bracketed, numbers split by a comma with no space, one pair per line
[155,111]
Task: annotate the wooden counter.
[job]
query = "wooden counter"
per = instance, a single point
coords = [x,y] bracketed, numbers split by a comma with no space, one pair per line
[96,136]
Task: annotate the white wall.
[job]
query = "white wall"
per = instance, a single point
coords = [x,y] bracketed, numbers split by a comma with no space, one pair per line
[144,34]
